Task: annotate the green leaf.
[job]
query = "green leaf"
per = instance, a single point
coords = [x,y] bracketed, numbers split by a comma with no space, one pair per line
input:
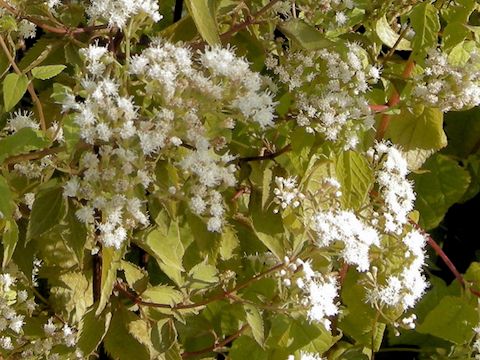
[453,34]
[453,319]
[304,35]
[255,320]
[294,334]
[119,343]
[228,243]
[137,278]
[355,176]
[22,141]
[463,131]
[420,128]
[9,241]
[359,317]
[389,37]
[163,294]
[246,348]
[6,200]
[93,328]
[167,246]
[48,209]
[438,189]
[14,87]
[110,264]
[268,226]
[426,24]
[202,275]
[47,72]
[204,17]
[4,64]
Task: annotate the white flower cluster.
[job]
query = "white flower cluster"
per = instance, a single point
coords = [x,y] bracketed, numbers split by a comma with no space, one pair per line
[345,227]
[21,119]
[16,305]
[127,140]
[330,91]
[409,285]
[396,191]
[217,74]
[320,292]
[446,86]
[117,12]
[286,193]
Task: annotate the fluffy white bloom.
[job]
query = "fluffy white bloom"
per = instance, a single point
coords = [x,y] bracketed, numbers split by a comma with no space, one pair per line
[49,327]
[6,343]
[27,29]
[6,281]
[447,86]
[410,284]
[16,323]
[395,189]
[117,12]
[71,187]
[320,294]
[69,336]
[345,227]
[287,193]
[21,119]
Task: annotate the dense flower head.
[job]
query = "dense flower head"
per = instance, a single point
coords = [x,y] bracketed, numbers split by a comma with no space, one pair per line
[345,227]
[330,101]
[128,138]
[448,86]
[118,12]
[395,189]
[320,293]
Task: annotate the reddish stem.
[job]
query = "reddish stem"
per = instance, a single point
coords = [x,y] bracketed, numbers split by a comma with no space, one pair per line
[393,101]
[379,108]
[439,251]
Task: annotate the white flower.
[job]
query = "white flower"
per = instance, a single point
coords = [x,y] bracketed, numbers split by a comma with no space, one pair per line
[27,29]
[117,12]
[16,323]
[6,343]
[71,187]
[287,193]
[345,227]
[49,327]
[21,119]
[341,18]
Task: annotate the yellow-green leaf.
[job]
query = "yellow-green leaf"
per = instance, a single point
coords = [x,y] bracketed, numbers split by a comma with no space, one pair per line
[14,87]
[304,35]
[47,72]
[418,128]
[204,17]
[9,241]
[426,24]
[255,320]
[390,37]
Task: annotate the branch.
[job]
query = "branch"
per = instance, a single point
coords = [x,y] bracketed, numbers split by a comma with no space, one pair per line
[393,101]
[250,21]
[216,345]
[439,251]
[137,300]
[38,154]
[269,156]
